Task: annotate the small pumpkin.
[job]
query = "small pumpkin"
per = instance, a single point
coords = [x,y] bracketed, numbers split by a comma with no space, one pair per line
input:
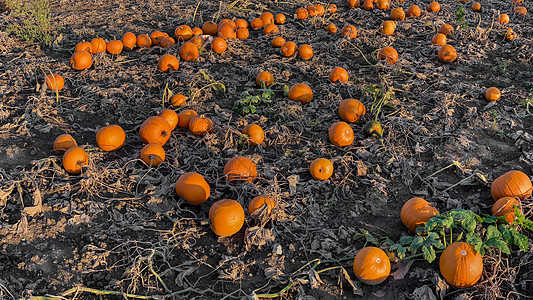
[227,217]
[270,29]
[185,116]
[341,134]
[157,36]
[197,31]
[55,82]
[511,184]
[64,142]
[210,28]
[280,19]
[439,39]
[84,46]
[243,33]
[493,94]
[461,265]
[383,4]
[144,41]
[193,188]
[171,117]
[152,154]
[320,9]
[227,21]
[167,42]
[288,49]
[219,45]
[114,47]
[305,52]
[301,14]
[183,33]
[129,40]
[178,100]
[74,160]
[240,169]
[331,28]
[434,7]
[81,60]
[351,110]
[387,27]
[349,31]
[197,40]
[371,265]
[255,134]
[227,31]
[241,23]
[520,11]
[267,18]
[301,92]
[277,42]
[389,54]
[504,207]
[416,212]
[447,54]
[503,19]
[508,34]
[98,44]
[353,3]
[168,62]
[256,24]
[155,130]
[321,168]
[200,125]
[338,74]
[264,79]
[189,51]
[312,10]
[258,202]
[373,128]
[368,5]
[414,11]
[397,14]
[476,6]
[110,138]
[446,29]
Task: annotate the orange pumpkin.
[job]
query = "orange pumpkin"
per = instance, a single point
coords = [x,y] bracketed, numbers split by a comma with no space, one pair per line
[416,212]
[168,62]
[368,5]
[241,23]
[267,18]
[167,42]
[183,33]
[321,168]
[185,116]
[129,40]
[171,117]
[81,60]
[178,100]
[383,4]
[264,79]
[461,265]
[98,45]
[197,40]
[332,8]
[84,46]
[280,19]
[504,207]
[157,36]
[338,74]
[353,3]
[219,45]
[341,134]
[155,130]
[439,39]
[493,94]
[331,28]
[520,11]
[200,125]
[301,14]
[74,160]
[55,82]
[446,29]
[387,27]
[258,201]
[397,14]
[254,134]
[301,92]
[371,265]
[414,11]
[503,19]
[277,42]
[349,31]
[189,51]
[196,31]
[508,34]
[111,137]
[288,49]
[388,53]
[434,7]
[476,6]
[305,52]
[270,29]
[64,142]
[312,10]
[114,47]
[152,154]
[193,188]
[320,9]
[256,24]
[351,110]
[227,31]
[447,54]
[243,33]
[227,217]
[240,169]
[210,28]
[144,41]
[511,184]
[227,21]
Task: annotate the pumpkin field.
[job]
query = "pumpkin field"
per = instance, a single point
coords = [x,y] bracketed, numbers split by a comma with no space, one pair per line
[202,149]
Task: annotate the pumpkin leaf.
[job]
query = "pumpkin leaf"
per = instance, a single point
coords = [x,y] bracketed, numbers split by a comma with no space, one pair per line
[369,238]
[459,237]
[345,276]
[474,239]
[427,243]
[522,220]
[520,240]
[490,219]
[406,240]
[429,253]
[493,232]
[469,223]
[498,243]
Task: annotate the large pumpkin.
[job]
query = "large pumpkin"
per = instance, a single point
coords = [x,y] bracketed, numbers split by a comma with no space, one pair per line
[351,110]
[155,130]
[74,160]
[461,265]
[371,265]
[227,217]
[110,137]
[511,184]
[193,188]
[254,134]
[415,212]
[239,169]
[171,117]
[341,134]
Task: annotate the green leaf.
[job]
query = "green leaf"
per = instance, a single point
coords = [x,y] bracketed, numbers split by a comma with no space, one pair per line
[460,236]
[469,223]
[406,239]
[490,219]
[500,244]
[429,253]
[253,109]
[417,243]
[474,239]
[520,240]
[507,235]
[445,221]
[493,232]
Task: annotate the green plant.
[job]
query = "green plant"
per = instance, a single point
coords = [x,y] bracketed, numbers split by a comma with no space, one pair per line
[381,96]
[251,99]
[460,14]
[494,125]
[33,21]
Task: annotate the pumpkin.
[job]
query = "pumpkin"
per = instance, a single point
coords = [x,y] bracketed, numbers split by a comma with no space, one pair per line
[414,11]
[157,36]
[280,19]
[520,11]
[155,130]
[144,41]
[270,29]
[305,52]
[84,46]
[264,79]
[243,33]
[312,10]
[197,40]
[351,110]
[439,39]
[320,9]
[321,168]
[387,27]
[256,24]
[446,29]
[353,3]
[517,2]
[129,40]
[338,74]
[447,54]
[219,45]
[331,28]
[301,92]
[397,14]
[241,23]
[503,19]
[171,117]
[511,184]
[168,42]
[341,134]
[200,125]
[227,31]
[258,202]
[183,33]
[152,154]
[508,34]
[383,4]
[301,14]
[288,49]
[434,7]
[373,128]
[168,62]
[371,265]
[74,160]
[368,5]
[185,116]
[476,6]
[227,217]
[461,265]
[504,207]
[277,42]
[493,94]
[267,18]
[114,47]
[332,8]
[193,188]
[81,60]
[189,51]
[349,31]
[64,142]
[416,212]
[111,137]
[240,169]
[98,45]
[178,100]
[197,31]
[389,54]
[55,82]
[227,21]
[210,28]
[254,134]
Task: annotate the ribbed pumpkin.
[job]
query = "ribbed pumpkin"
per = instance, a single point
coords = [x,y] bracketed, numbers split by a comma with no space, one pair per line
[373,128]
[389,54]
[259,201]
[493,94]
[81,60]
[338,74]
[168,62]
[185,117]
[55,82]
[219,45]
[178,100]
[155,130]
[74,159]
[84,46]
[255,134]
[129,40]
[351,110]
[144,41]
[110,137]
[321,168]
[301,92]
[114,47]
[189,51]
[98,45]
[264,78]
[341,134]
[64,142]
[227,217]
[171,117]
[511,184]
[240,169]
[505,207]
[415,212]
[152,154]
[193,188]
[461,265]
[371,265]
[200,125]
[210,28]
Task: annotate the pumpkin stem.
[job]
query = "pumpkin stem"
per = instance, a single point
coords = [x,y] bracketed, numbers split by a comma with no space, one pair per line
[205,222]
[164,133]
